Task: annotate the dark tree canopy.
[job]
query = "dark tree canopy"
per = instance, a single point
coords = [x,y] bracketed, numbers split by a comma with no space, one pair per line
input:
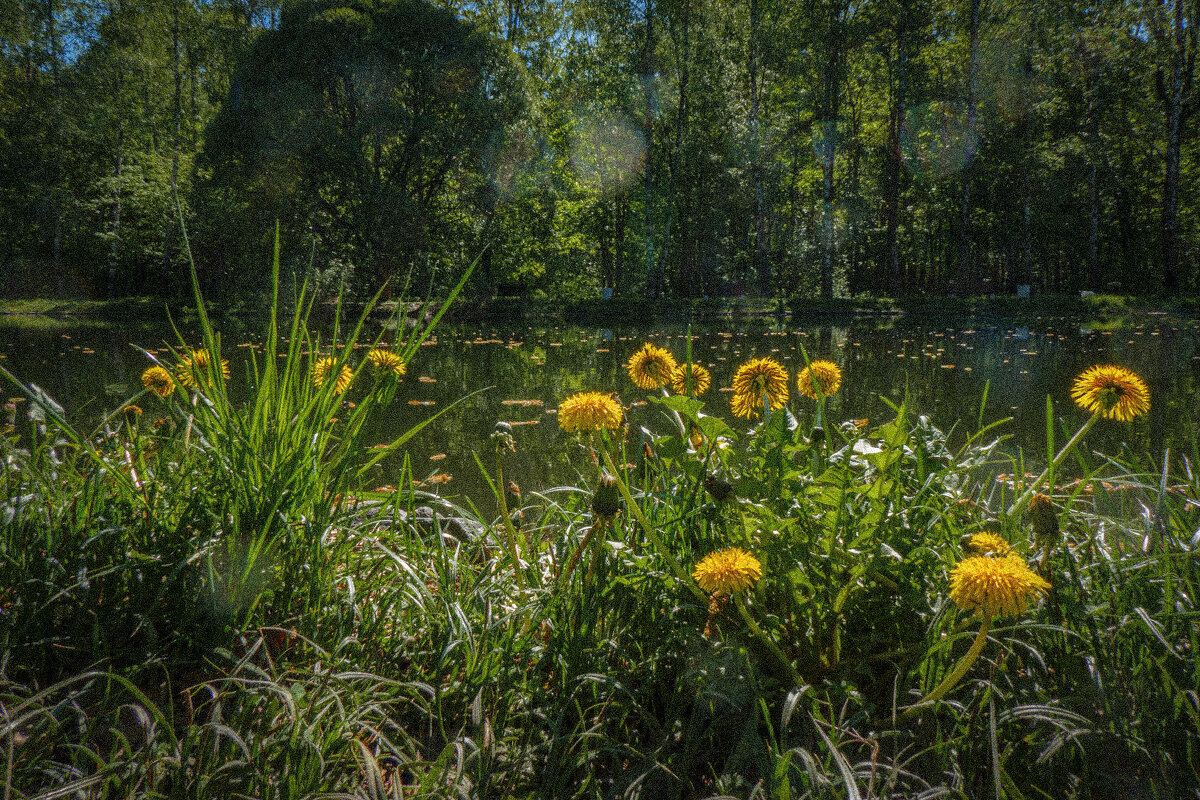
[652,146]
[360,124]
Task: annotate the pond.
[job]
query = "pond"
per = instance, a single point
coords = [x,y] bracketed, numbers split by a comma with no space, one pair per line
[528,368]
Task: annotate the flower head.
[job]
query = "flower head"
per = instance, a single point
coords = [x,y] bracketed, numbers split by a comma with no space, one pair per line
[590,411]
[727,572]
[132,412]
[746,405]
[651,367]
[825,376]
[985,543]
[691,379]
[386,363]
[758,376]
[1004,585]
[324,366]
[194,366]
[159,381]
[1115,392]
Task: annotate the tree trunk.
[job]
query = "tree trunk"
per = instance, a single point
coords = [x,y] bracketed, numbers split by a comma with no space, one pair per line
[966,267]
[653,277]
[115,224]
[671,193]
[1093,263]
[172,217]
[1026,272]
[891,180]
[828,121]
[604,241]
[756,171]
[684,285]
[1026,235]
[1170,209]
[58,192]
[621,216]
[1175,94]
[827,156]
[854,279]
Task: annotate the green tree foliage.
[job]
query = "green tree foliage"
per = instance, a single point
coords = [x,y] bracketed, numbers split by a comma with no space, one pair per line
[657,146]
[102,106]
[361,126]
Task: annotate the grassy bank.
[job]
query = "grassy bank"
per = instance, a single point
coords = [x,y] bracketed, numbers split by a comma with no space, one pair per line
[1111,309]
[1103,310]
[207,599]
[48,312]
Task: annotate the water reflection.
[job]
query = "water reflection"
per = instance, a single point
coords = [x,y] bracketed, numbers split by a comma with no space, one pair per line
[530,368]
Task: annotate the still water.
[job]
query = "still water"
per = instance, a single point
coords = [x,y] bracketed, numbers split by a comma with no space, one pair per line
[527,369]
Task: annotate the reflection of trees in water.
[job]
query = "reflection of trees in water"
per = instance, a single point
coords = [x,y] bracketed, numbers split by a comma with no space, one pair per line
[553,362]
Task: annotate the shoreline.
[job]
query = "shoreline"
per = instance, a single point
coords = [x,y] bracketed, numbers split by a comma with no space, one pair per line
[624,310]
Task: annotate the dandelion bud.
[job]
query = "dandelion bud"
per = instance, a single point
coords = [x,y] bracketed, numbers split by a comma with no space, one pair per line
[606,502]
[719,489]
[1045,520]
[502,438]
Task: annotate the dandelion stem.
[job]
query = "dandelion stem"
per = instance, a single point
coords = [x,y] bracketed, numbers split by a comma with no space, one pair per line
[675,414]
[509,532]
[596,527]
[1019,506]
[960,670]
[762,637]
[653,537]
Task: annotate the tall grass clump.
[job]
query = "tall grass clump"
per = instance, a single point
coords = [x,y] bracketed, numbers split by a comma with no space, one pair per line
[188,532]
[763,597]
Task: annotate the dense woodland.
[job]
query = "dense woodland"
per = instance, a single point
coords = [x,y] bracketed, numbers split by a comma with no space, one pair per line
[662,147]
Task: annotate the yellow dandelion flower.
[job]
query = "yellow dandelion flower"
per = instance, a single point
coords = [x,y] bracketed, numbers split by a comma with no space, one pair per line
[194,366]
[1117,393]
[746,405]
[691,379]
[823,375]
[159,381]
[386,362]
[132,411]
[987,585]
[756,377]
[727,572]
[323,367]
[651,367]
[985,543]
[590,411]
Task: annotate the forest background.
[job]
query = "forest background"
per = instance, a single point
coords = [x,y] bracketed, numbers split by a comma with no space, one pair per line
[665,148]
